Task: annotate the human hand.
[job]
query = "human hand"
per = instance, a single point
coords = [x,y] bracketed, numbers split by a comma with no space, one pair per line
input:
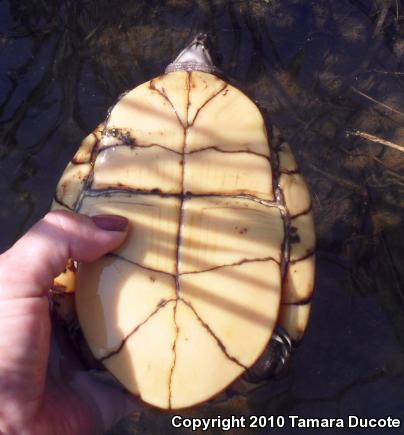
[37,398]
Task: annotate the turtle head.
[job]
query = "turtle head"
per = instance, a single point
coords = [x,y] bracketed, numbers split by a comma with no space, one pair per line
[195,56]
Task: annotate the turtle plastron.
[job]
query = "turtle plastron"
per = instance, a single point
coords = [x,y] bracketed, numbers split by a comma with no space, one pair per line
[213,261]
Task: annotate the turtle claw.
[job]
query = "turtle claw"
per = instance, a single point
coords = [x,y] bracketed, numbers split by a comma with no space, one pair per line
[273,360]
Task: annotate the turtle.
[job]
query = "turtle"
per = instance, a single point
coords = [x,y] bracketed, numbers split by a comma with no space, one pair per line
[214,282]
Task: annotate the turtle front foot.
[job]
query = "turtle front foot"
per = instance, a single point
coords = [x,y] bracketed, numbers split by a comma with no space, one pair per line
[273,360]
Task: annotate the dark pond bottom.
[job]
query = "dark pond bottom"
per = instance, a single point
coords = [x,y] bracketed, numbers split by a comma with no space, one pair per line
[330,75]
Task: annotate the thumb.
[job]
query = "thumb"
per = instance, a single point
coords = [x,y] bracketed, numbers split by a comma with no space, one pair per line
[27,269]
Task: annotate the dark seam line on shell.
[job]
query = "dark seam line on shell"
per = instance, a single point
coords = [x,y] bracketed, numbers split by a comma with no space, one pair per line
[287,218]
[238,263]
[96,140]
[304,301]
[136,146]
[215,147]
[278,194]
[278,147]
[160,305]
[174,350]
[291,172]
[88,180]
[164,95]
[108,191]
[308,210]
[181,196]
[273,155]
[60,202]
[117,135]
[262,201]
[206,102]
[111,254]
[128,190]
[178,238]
[74,161]
[286,231]
[218,341]
[304,257]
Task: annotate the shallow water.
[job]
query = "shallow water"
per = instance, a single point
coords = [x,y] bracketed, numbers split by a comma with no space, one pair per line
[323,71]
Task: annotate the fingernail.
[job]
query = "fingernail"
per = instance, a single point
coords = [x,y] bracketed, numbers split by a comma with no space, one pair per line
[110,222]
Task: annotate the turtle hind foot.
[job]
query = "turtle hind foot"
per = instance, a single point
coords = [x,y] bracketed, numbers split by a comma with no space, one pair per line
[274,360]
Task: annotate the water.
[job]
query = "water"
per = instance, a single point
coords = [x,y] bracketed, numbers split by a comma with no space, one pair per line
[323,70]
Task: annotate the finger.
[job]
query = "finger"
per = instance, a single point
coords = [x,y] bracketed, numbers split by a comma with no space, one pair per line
[27,269]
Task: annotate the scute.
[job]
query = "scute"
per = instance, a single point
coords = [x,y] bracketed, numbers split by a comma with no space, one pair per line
[198,357]
[85,151]
[238,303]
[148,117]
[117,285]
[213,258]
[138,168]
[303,228]
[145,362]
[203,87]
[299,280]
[287,162]
[71,184]
[212,172]
[230,122]
[296,195]
[225,231]
[153,227]
[294,319]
